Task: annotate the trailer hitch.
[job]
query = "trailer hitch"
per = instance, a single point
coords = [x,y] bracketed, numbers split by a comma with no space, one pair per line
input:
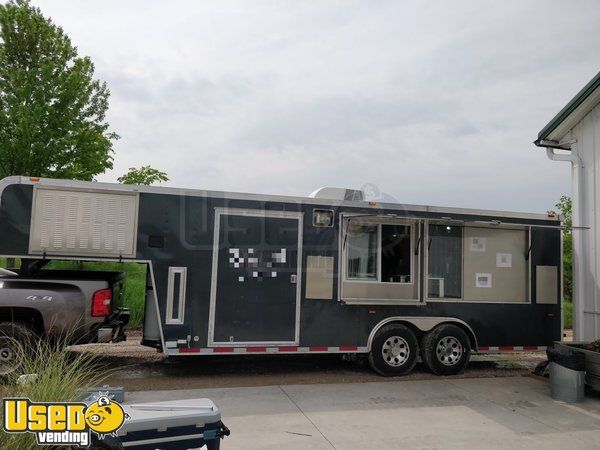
[112,328]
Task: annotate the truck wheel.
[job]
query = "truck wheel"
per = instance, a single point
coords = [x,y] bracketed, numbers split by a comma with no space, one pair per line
[446,350]
[394,351]
[15,341]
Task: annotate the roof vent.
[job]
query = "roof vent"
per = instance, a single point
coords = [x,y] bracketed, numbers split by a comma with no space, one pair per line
[333,193]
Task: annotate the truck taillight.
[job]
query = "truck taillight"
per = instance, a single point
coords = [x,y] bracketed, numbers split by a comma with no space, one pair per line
[101,303]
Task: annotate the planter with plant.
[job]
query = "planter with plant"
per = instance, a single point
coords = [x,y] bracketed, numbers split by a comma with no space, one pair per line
[591,350]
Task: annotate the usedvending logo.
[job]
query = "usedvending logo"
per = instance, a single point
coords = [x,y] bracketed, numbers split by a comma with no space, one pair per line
[64,423]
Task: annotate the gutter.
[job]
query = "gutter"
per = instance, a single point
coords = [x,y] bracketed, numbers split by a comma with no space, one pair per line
[551,147]
[577,166]
[552,144]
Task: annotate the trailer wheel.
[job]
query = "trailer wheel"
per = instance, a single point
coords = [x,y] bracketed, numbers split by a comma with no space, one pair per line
[394,351]
[446,350]
[15,341]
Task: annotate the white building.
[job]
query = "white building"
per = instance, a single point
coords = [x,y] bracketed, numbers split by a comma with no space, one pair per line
[574,136]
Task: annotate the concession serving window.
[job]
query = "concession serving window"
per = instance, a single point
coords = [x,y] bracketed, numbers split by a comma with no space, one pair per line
[444,261]
[477,262]
[380,260]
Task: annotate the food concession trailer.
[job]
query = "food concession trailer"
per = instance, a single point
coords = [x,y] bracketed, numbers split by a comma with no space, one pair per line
[234,273]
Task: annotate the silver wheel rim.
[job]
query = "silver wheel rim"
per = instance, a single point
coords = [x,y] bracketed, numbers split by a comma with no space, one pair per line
[395,351]
[449,350]
[11,352]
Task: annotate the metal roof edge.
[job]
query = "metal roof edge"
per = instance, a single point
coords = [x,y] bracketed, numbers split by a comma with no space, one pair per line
[46,182]
[570,107]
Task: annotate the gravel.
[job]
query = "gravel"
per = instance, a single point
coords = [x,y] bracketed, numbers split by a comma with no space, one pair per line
[142,368]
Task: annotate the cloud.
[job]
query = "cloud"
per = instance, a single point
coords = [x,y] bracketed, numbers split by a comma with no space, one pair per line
[327,121]
[433,102]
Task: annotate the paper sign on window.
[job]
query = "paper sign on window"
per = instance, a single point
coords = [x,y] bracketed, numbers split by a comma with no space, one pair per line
[503,260]
[477,244]
[483,280]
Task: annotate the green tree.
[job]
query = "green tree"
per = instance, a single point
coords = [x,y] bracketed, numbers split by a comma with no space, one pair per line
[52,110]
[145,175]
[565,209]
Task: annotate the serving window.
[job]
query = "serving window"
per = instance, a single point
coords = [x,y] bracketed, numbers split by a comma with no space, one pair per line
[362,252]
[444,262]
[379,253]
[380,257]
[477,263]
[396,253]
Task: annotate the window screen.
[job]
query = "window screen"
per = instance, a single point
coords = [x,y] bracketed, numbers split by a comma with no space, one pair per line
[395,253]
[444,266]
[362,252]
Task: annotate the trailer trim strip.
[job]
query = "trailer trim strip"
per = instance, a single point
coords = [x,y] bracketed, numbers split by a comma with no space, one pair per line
[262,350]
[512,348]
[325,349]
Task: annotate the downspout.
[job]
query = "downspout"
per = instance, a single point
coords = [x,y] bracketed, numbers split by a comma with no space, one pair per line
[577,198]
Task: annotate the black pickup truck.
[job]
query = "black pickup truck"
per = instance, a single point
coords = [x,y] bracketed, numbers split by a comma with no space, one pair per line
[66,306]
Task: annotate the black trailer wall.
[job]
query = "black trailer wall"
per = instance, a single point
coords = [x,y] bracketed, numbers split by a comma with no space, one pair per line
[178,231]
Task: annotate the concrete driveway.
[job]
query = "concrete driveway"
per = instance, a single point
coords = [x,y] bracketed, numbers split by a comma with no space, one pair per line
[476,413]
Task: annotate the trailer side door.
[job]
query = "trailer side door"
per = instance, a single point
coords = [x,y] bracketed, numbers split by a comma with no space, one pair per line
[255,284]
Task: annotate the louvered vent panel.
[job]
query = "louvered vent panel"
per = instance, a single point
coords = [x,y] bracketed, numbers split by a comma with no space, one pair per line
[72,221]
[83,223]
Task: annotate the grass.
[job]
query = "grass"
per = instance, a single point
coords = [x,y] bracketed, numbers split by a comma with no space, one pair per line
[568,314]
[60,374]
[135,282]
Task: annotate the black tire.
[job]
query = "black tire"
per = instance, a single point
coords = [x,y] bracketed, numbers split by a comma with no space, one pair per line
[446,350]
[394,351]
[16,340]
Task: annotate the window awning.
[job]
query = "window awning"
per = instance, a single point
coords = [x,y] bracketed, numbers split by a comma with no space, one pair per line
[459,222]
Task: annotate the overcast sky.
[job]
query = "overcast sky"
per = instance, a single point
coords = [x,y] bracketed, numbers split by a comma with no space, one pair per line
[433,102]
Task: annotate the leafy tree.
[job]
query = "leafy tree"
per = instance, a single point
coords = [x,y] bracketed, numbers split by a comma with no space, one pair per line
[565,209]
[52,110]
[145,175]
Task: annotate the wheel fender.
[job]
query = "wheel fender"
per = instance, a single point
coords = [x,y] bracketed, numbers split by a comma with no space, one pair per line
[423,324]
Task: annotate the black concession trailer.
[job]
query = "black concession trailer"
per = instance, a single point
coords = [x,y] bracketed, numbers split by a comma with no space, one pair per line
[234,273]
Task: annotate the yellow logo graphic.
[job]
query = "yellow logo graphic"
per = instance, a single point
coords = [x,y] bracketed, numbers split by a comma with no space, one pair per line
[104,416]
[63,423]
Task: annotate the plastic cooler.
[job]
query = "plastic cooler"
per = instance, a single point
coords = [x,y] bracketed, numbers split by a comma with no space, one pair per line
[181,424]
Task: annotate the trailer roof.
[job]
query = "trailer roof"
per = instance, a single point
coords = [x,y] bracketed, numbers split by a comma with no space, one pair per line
[94,185]
[585,100]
